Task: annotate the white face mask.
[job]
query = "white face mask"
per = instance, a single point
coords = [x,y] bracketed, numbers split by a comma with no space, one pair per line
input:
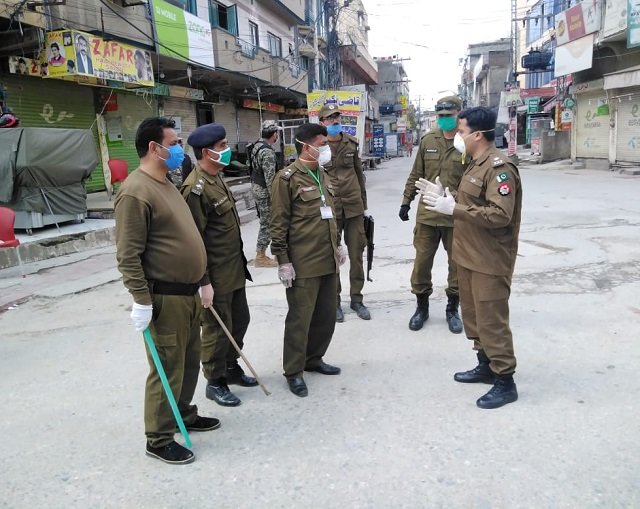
[324,154]
[458,143]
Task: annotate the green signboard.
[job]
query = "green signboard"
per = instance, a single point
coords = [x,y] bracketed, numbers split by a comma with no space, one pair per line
[532,104]
[181,35]
[633,24]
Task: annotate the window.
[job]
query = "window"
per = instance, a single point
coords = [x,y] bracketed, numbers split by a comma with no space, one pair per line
[185,5]
[224,17]
[254,35]
[275,45]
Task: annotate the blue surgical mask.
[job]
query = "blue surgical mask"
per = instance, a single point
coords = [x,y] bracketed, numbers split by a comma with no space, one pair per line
[334,129]
[176,156]
[224,156]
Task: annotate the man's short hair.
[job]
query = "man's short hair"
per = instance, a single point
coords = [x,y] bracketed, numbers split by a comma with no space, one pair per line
[481,118]
[151,129]
[22,61]
[139,54]
[80,36]
[306,133]
[55,44]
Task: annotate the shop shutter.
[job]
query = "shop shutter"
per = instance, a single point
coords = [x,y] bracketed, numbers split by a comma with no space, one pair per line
[592,130]
[132,110]
[628,127]
[185,111]
[54,103]
[249,122]
[225,114]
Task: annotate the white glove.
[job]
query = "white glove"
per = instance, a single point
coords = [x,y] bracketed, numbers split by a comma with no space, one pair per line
[366,213]
[424,186]
[443,204]
[342,255]
[286,274]
[206,295]
[141,315]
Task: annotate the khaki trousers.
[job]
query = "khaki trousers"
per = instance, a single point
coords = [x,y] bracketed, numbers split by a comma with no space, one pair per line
[217,350]
[484,303]
[356,241]
[426,240]
[310,322]
[175,329]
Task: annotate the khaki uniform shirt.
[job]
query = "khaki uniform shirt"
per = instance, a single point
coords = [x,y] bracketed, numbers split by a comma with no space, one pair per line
[436,158]
[347,177]
[487,215]
[156,239]
[214,211]
[299,235]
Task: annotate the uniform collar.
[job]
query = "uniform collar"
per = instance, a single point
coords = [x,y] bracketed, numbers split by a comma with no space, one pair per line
[484,156]
[206,176]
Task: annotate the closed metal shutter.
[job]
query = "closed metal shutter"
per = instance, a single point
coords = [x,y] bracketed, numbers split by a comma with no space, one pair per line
[185,111]
[249,121]
[628,126]
[592,130]
[132,110]
[225,114]
[57,104]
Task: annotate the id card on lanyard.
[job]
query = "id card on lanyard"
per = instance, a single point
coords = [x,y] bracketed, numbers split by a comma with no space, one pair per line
[325,210]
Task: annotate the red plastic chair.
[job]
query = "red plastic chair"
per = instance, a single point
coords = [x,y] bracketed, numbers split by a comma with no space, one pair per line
[119,170]
[7,233]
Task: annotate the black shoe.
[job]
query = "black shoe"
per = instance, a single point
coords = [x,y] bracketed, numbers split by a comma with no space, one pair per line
[502,393]
[298,386]
[339,314]
[235,376]
[453,318]
[422,313]
[361,310]
[172,453]
[480,374]
[325,369]
[219,392]
[203,424]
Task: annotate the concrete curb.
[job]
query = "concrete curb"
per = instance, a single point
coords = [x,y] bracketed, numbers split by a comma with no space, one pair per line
[57,246]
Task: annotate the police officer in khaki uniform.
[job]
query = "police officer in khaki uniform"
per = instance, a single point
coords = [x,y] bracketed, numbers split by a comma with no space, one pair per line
[439,162]
[214,211]
[304,239]
[347,177]
[162,258]
[486,213]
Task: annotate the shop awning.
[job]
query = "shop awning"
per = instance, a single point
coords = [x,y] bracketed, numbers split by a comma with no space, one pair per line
[622,79]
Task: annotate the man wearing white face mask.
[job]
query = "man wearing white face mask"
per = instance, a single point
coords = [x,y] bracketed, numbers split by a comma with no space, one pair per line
[304,239]
[350,203]
[440,163]
[214,211]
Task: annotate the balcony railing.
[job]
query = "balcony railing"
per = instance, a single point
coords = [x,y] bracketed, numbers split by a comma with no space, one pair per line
[248,49]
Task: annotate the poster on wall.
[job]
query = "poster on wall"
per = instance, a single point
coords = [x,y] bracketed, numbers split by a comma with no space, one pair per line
[70,53]
[351,106]
[633,24]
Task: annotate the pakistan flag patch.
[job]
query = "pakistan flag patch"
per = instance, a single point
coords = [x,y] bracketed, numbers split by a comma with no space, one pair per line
[503,177]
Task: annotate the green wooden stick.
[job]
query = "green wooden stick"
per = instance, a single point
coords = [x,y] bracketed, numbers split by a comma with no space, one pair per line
[165,384]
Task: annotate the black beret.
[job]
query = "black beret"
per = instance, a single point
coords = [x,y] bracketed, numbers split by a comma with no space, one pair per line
[206,135]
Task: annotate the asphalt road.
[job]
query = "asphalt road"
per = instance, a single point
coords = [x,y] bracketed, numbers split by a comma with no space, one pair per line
[394,430]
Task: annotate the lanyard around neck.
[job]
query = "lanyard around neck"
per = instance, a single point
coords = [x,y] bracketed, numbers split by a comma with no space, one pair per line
[317,179]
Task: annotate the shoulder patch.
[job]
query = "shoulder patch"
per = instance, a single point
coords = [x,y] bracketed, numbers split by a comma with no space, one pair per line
[432,150]
[504,189]
[502,177]
[198,187]
[286,174]
[497,162]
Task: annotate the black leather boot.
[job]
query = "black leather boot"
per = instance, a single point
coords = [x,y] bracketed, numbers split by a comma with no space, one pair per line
[453,318]
[503,392]
[480,374]
[422,312]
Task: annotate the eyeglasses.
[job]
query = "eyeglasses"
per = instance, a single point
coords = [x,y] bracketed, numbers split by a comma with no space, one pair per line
[446,106]
[332,117]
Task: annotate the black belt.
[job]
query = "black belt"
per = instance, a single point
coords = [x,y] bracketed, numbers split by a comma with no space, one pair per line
[165,288]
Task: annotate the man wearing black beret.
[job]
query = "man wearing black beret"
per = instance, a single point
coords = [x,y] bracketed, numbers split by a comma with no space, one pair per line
[223,285]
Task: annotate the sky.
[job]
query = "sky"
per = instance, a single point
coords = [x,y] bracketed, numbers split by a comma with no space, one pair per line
[434,34]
